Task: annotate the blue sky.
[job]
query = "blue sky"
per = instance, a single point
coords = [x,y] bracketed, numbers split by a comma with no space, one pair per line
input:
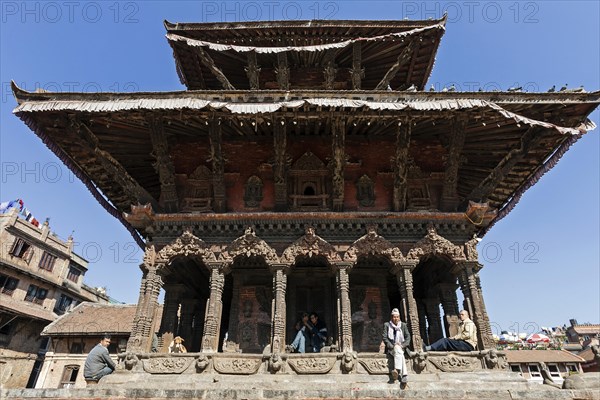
[541,263]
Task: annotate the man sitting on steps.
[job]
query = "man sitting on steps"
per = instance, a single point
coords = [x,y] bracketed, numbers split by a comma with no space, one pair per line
[465,340]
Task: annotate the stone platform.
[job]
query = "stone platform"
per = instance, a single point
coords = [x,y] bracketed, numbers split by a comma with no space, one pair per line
[447,386]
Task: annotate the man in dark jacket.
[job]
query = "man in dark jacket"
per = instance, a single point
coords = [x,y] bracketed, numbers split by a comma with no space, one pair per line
[318,332]
[396,338]
[98,363]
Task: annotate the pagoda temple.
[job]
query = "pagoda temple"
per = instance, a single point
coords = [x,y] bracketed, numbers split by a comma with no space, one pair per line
[306,168]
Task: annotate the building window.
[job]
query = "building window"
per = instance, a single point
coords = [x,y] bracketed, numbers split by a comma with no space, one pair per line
[47,261]
[554,372]
[572,368]
[515,368]
[22,249]
[69,376]
[76,348]
[534,371]
[36,294]
[8,284]
[73,274]
[63,304]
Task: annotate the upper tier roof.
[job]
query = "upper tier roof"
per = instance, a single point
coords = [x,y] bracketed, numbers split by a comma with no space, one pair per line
[113,150]
[217,56]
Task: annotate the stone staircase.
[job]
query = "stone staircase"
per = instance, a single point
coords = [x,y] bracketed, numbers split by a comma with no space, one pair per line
[446,386]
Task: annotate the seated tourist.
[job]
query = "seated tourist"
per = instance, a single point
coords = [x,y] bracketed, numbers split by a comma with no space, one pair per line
[396,338]
[318,333]
[177,346]
[98,363]
[303,328]
[465,340]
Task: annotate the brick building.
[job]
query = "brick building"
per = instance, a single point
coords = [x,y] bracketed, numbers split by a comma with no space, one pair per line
[40,278]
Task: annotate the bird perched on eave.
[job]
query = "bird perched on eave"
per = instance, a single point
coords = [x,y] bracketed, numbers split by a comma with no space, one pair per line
[411,88]
[552,89]
[432,88]
[515,89]
[562,89]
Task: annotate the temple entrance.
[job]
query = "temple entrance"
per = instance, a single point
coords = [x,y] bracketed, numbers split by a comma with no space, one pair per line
[435,293]
[311,288]
[186,286]
[370,302]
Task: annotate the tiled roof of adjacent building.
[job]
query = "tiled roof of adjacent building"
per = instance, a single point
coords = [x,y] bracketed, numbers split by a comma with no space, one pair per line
[95,319]
[525,356]
[587,329]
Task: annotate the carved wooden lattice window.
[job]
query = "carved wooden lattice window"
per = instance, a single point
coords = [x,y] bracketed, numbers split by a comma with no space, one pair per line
[308,186]
[253,193]
[198,191]
[365,191]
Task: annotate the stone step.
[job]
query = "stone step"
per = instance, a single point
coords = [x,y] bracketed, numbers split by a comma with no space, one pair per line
[305,394]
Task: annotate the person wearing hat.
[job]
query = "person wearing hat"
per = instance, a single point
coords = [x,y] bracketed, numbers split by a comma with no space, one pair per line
[396,338]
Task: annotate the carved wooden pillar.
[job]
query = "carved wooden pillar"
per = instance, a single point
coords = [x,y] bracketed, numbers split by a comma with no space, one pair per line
[280,167]
[357,72]
[434,319]
[170,320]
[486,330]
[142,330]
[338,134]
[253,71]
[467,279]
[199,313]
[163,165]
[282,71]
[450,199]
[218,166]
[345,311]
[278,313]
[403,272]
[401,165]
[212,320]
[450,306]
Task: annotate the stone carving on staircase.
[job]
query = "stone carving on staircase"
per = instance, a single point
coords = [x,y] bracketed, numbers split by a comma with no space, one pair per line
[453,363]
[201,363]
[166,365]
[312,365]
[236,366]
[375,366]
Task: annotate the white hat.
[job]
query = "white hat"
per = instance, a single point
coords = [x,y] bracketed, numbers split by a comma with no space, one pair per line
[395,312]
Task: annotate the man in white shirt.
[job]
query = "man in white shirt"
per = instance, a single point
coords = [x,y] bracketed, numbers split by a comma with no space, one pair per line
[465,340]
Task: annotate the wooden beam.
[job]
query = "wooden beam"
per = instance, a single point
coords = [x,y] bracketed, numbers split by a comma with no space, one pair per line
[391,73]
[208,62]
[413,61]
[164,164]
[253,71]
[403,134]
[218,165]
[357,72]
[338,139]
[529,139]
[132,189]
[457,141]
[282,71]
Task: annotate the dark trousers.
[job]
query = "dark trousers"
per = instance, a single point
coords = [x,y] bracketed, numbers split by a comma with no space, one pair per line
[446,344]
